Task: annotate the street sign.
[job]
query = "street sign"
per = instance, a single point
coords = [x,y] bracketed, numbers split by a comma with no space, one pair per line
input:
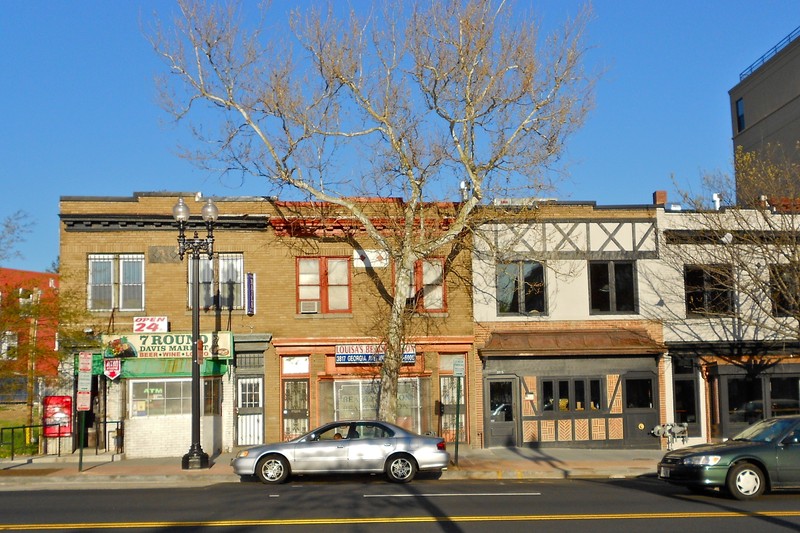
[459,367]
[112,368]
[84,399]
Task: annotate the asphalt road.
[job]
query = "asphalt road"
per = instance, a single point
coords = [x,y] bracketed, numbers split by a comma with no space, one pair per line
[371,504]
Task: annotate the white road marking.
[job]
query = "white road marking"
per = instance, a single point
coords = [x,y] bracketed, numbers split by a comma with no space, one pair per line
[448,495]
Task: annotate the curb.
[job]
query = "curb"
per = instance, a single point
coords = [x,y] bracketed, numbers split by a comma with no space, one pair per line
[117,481]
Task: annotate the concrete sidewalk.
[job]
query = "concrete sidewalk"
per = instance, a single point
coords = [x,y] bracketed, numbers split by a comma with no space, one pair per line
[115,471]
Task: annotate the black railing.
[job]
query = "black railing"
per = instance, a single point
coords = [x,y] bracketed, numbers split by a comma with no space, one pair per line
[30,436]
[769,53]
[33,435]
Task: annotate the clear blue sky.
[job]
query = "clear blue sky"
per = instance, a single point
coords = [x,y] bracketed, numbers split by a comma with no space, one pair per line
[79,116]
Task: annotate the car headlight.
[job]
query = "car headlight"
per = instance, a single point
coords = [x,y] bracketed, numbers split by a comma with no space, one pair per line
[702,460]
[243,453]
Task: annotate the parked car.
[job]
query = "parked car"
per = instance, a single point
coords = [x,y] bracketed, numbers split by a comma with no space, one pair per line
[363,446]
[765,456]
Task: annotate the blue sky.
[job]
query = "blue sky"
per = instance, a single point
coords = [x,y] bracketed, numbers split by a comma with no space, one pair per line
[79,113]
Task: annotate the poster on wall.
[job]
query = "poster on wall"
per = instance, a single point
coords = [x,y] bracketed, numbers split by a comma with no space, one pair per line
[57,417]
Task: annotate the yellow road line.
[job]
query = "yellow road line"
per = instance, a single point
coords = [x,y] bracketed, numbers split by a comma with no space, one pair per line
[398,520]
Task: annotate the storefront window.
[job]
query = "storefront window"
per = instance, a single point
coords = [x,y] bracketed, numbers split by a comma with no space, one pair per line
[745,400]
[358,399]
[639,393]
[785,394]
[172,397]
[571,395]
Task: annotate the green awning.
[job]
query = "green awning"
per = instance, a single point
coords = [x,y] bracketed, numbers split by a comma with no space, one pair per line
[178,367]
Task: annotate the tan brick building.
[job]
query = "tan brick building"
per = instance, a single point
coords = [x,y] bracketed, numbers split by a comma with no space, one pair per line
[289,316]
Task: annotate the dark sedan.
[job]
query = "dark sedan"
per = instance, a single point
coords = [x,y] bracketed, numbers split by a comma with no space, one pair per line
[765,456]
[363,446]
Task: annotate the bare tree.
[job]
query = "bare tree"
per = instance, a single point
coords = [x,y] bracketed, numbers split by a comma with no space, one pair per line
[13,229]
[454,99]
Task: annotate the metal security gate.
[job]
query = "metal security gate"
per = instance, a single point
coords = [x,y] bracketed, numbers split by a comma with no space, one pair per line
[450,403]
[250,411]
[295,408]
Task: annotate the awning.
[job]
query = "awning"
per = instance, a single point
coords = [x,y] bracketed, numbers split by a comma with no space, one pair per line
[580,342]
[166,368]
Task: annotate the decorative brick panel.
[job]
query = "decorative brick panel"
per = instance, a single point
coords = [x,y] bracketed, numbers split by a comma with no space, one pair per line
[615,431]
[582,429]
[530,431]
[599,429]
[565,430]
[614,394]
[529,387]
[548,431]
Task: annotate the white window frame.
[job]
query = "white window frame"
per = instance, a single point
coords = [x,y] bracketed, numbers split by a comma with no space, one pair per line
[118,285]
[219,268]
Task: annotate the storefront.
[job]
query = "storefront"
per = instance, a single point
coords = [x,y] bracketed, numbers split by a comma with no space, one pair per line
[341,381]
[589,388]
[152,394]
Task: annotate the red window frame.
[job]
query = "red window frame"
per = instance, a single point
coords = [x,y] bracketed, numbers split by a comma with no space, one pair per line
[418,292]
[324,285]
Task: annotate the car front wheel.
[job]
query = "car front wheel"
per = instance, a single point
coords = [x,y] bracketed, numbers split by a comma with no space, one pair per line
[272,469]
[401,469]
[746,481]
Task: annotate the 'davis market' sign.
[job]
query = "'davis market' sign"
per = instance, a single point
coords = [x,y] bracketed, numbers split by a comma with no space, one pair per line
[369,354]
[157,345]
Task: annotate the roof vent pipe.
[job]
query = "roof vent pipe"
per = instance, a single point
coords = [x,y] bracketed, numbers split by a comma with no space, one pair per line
[717,199]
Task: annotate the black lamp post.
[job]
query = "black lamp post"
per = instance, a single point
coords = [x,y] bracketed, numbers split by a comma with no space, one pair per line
[196,458]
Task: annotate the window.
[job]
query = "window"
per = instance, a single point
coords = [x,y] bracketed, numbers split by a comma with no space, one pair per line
[708,290]
[8,345]
[427,285]
[571,395]
[231,281]
[520,288]
[212,396]
[639,393]
[160,397]
[116,282]
[740,125]
[784,288]
[611,287]
[323,285]
[230,284]
[358,399]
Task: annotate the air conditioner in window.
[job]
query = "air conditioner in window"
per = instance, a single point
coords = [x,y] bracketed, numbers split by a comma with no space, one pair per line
[309,307]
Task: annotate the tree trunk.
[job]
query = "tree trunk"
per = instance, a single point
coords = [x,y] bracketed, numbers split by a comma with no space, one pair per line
[394,341]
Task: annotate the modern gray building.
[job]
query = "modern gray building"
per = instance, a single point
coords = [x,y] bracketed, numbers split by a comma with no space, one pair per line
[765,105]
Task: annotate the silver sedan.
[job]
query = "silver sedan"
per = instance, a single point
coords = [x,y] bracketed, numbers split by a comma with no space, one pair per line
[363,446]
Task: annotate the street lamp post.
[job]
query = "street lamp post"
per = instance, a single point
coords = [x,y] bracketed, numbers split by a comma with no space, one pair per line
[196,458]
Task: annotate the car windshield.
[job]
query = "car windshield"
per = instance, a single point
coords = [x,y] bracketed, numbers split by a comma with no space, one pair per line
[766,430]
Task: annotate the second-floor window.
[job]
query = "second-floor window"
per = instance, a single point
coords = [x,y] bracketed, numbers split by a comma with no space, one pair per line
[709,290]
[520,288]
[116,282]
[427,285]
[785,289]
[229,285]
[612,287]
[323,285]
